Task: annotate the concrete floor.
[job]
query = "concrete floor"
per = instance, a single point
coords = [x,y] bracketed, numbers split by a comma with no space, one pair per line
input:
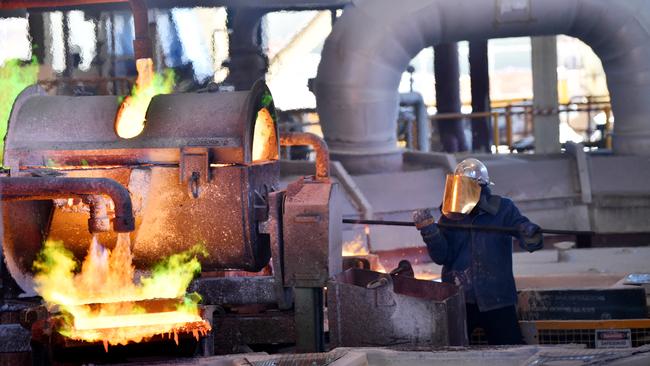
[508,356]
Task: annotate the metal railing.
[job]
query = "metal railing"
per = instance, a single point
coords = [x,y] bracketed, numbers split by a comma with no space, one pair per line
[524,110]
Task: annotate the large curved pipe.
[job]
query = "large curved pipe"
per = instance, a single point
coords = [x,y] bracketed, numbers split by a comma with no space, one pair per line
[31,188]
[373,41]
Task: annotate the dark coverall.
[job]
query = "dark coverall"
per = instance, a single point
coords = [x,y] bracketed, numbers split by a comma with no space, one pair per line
[481,262]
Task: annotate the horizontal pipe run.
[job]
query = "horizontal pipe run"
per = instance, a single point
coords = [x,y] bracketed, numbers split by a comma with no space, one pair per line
[317,143]
[509,230]
[30,188]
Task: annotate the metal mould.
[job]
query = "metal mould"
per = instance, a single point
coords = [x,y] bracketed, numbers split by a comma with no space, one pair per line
[79,131]
[374,309]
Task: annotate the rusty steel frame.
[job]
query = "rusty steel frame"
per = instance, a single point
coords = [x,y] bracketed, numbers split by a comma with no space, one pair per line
[142,46]
[33,189]
[269,5]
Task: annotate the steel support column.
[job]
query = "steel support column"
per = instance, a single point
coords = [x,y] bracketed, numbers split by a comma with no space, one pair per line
[309,319]
[447,74]
[545,96]
[37,34]
[248,63]
[480,80]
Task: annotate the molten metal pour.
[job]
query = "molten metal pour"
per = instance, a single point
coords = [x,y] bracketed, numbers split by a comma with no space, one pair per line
[130,118]
[107,304]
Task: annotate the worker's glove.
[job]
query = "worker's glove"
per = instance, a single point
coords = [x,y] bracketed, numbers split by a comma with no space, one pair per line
[530,236]
[423,218]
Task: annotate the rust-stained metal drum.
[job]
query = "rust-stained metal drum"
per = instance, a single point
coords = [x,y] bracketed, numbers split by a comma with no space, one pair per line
[191,175]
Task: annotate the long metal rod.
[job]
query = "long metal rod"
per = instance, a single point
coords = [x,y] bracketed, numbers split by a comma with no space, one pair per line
[509,230]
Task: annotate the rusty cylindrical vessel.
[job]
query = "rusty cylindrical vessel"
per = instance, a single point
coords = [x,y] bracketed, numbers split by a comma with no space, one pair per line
[199,173]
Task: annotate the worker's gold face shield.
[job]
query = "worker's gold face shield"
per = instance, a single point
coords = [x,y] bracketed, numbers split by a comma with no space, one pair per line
[461,196]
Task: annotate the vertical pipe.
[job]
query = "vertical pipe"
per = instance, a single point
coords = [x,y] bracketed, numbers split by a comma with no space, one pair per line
[37,34]
[142,47]
[423,124]
[447,74]
[480,81]
[67,57]
[248,63]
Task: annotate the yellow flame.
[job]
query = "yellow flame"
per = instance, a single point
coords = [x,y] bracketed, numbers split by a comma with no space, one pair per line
[130,118]
[102,297]
[355,247]
[265,141]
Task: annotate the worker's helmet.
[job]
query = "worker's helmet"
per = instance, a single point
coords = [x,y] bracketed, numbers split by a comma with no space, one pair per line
[463,188]
[474,169]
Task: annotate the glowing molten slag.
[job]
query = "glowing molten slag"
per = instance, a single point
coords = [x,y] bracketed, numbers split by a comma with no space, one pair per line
[106,303]
[265,140]
[130,118]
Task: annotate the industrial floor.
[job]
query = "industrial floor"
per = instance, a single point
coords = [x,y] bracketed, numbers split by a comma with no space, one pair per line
[487,356]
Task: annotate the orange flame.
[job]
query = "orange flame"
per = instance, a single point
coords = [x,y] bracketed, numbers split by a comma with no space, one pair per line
[426,275]
[265,141]
[106,302]
[130,118]
[355,248]
[358,248]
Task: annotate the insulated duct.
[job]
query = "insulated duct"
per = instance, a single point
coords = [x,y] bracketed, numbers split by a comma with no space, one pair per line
[373,41]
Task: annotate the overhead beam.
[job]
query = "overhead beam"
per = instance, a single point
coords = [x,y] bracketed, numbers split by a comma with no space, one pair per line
[271,5]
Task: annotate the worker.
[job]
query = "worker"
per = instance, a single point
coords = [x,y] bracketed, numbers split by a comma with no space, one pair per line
[478,260]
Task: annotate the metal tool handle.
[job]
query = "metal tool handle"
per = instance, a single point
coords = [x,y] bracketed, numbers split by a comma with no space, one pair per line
[509,230]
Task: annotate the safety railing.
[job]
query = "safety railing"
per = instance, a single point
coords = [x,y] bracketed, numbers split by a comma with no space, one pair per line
[510,120]
[524,112]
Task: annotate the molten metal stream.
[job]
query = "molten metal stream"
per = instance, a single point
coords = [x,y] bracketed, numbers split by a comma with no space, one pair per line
[104,298]
[131,115]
